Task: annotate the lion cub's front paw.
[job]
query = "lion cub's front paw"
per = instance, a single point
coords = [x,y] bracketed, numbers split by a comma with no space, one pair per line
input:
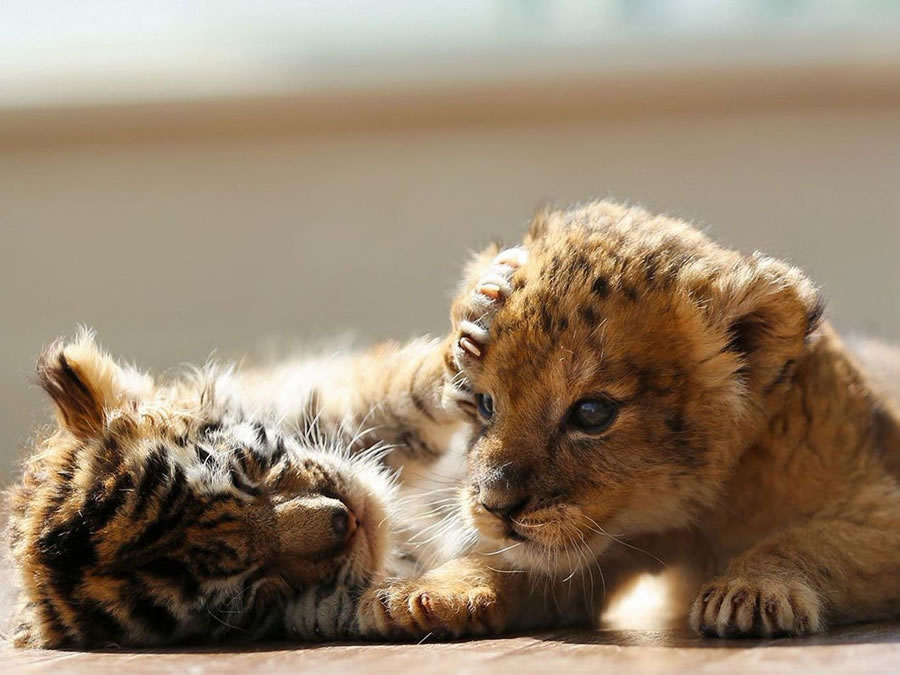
[414,609]
[756,606]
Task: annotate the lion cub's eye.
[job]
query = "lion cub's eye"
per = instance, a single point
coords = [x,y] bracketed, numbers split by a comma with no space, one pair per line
[592,414]
[485,405]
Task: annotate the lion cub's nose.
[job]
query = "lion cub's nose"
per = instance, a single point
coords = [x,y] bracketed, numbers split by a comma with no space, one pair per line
[313,526]
[504,509]
[504,492]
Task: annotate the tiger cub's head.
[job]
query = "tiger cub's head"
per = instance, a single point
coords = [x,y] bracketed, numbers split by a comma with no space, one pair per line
[629,365]
[157,512]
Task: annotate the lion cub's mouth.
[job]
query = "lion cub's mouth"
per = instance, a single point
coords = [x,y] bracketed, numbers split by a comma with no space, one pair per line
[515,535]
[551,538]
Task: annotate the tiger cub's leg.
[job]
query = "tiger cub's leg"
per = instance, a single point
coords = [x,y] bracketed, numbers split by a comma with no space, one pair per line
[399,393]
[392,395]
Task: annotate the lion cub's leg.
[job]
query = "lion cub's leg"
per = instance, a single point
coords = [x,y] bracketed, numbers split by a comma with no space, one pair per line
[839,569]
[474,595]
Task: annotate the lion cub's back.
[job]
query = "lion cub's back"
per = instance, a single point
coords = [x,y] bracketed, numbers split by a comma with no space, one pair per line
[881,362]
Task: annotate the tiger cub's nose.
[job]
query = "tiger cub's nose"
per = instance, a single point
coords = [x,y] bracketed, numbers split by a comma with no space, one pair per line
[343,522]
[314,525]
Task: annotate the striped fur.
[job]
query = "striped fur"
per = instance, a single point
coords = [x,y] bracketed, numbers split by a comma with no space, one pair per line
[203,508]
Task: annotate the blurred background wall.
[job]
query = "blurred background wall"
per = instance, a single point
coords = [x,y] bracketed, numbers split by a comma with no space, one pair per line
[196,176]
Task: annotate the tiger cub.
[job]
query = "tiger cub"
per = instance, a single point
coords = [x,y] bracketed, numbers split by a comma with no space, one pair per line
[648,400]
[223,504]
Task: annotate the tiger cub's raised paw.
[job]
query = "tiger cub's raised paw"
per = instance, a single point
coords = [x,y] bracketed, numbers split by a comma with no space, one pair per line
[474,313]
[415,609]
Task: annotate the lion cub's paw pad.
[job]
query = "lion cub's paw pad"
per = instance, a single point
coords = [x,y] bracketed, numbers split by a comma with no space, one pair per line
[763,607]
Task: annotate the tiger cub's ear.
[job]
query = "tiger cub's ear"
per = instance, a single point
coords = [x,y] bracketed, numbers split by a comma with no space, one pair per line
[86,384]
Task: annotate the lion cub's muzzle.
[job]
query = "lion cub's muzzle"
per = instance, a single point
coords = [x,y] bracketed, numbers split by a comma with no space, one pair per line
[504,494]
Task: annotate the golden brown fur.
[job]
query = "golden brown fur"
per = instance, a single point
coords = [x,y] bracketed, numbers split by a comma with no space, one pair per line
[746,446]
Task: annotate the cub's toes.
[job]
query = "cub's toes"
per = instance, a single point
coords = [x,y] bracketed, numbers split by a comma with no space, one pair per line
[412,612]
[380,615]
[475,611]
[756,608]
[495,285]
[512,257]
[490,292]
[473,338]
[24,636]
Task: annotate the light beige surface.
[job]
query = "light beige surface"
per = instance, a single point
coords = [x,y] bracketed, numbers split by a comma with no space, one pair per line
[857,649]
[175,248]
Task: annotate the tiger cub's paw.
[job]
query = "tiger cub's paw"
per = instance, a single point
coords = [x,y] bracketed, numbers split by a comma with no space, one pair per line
[418,608]
[756,607]
[24,636]
[474,314]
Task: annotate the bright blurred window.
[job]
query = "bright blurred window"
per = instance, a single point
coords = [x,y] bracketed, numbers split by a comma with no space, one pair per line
[55,51]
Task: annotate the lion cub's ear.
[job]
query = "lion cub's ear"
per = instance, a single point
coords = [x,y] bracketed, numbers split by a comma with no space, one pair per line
[767,310]
[539,226]
[86,384]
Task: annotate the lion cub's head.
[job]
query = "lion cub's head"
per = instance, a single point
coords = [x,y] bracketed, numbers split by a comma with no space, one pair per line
[631,363]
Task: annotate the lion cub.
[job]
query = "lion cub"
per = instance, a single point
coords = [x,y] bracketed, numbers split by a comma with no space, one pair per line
[646,398]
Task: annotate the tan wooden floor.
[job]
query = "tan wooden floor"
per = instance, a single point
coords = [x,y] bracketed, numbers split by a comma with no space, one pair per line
[854,649]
